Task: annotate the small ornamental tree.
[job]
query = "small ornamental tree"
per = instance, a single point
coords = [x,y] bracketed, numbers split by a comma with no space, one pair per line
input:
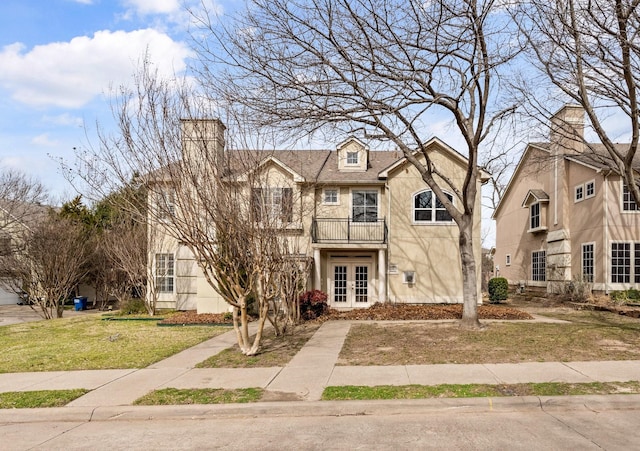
[498,289]
[313,304]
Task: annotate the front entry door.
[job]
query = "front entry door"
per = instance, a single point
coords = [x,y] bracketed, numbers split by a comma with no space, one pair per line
[351,285]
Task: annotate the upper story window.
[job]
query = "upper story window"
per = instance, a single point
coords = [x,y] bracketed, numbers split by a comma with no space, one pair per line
[331,196]
[590,189]
[534,216]
[628,204]
[579,193]
[166,203]
[352,158]
[364,206]
[272,204]
[428,208]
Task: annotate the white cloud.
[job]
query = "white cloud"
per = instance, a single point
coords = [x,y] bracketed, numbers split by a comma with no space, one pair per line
[44,140]
[84,2]
[65,119]
[70,74]
[144,7]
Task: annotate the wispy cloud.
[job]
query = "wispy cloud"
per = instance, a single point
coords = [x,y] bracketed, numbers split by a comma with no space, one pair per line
[44,140]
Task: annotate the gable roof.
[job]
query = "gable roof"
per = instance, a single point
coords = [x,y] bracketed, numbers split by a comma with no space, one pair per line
[533,196]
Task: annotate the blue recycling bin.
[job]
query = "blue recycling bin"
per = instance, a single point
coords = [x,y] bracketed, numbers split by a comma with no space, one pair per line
[80,303]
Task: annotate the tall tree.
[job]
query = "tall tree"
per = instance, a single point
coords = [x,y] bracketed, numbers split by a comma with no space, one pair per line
[382,68]
[589,51]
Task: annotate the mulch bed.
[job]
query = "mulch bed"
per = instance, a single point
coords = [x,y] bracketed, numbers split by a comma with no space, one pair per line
[193,317]
[387,312]
[377,312]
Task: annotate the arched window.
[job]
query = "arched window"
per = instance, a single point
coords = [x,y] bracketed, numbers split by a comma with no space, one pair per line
[428,208]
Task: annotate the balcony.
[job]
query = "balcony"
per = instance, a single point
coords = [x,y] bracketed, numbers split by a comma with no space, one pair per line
[347,231]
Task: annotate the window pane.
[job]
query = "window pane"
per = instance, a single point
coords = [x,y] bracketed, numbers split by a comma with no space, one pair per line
[443,215]
[422,215]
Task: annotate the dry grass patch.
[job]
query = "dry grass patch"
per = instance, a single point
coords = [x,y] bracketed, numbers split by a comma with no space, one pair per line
[588,336]
[274,351]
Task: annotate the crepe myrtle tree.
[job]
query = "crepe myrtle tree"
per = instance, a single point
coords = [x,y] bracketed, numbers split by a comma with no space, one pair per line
[382,68]
[201,192]
[588,51]
[49,260]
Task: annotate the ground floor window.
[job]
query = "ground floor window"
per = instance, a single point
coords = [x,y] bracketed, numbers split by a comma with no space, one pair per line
[588,259]
[625,262]
[164,273]
[539,266]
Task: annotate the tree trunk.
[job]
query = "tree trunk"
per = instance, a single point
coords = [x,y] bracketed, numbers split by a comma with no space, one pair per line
[469,280]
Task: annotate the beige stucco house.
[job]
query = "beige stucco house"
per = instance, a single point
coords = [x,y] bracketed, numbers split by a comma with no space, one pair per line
[370,226]
[566,217]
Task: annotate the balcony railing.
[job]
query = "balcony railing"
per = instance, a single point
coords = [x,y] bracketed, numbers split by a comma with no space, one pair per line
[345,230]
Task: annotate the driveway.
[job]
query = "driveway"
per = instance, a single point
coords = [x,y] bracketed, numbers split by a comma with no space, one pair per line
[15,314]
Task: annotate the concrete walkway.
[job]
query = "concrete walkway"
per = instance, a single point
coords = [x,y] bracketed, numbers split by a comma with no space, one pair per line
[306,375]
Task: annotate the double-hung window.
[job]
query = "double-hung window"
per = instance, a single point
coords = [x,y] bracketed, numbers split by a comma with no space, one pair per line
[364,206]
[272,205]
[628,204]
[534,216]
[164,273]
[625,262]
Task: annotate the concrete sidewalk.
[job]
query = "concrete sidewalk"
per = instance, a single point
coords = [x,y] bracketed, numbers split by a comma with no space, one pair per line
[304,377]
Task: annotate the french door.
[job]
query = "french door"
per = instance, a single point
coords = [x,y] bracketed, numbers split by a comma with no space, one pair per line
[350,285]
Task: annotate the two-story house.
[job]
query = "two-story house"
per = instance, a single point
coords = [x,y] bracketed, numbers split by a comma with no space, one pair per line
[371,227]
[566,216]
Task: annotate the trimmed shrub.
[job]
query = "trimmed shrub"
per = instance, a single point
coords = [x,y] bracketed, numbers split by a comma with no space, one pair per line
[498,289]
[624,296]
[133,306]
[313,304]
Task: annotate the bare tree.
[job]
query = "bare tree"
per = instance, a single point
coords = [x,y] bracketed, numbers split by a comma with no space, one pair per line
[49,262]
[200,193]
[379,68]
[20,197]
[588,50]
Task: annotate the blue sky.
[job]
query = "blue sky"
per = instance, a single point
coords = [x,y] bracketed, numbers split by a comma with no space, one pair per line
[59,59]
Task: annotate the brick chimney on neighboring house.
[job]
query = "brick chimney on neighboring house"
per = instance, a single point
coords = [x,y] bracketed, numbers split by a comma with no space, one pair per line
[566,137]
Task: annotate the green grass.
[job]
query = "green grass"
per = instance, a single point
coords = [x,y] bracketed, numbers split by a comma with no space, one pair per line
[174,396]
[351,392]
[37,399]
[87,343]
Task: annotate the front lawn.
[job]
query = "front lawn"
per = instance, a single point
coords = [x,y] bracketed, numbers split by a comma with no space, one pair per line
[589,335]
[88,343]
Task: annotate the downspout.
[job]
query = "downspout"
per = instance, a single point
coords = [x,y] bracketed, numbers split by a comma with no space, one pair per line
[605,243]
[386,184]
[555,190]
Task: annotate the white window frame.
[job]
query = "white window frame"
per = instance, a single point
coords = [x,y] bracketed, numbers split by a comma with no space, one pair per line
[627,200]
[351,156]
[588,277]
[631,265]
[586,189]
[507,259]
[578,193]
[538,216]
[333,202]
[434,209]
[166,203]
[536,275]
[165,269]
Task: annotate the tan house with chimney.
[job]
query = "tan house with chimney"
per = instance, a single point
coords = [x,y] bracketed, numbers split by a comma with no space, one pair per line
[566,216]
[370,226]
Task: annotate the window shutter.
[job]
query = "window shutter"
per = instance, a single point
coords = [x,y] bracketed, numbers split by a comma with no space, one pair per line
[287,204]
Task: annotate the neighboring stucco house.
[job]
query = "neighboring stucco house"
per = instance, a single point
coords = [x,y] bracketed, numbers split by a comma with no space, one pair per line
[372,229]
[566,216]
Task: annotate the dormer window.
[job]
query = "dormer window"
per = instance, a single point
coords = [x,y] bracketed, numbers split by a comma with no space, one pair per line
[537,202]
[534,216]
[352,158]
[628,204]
